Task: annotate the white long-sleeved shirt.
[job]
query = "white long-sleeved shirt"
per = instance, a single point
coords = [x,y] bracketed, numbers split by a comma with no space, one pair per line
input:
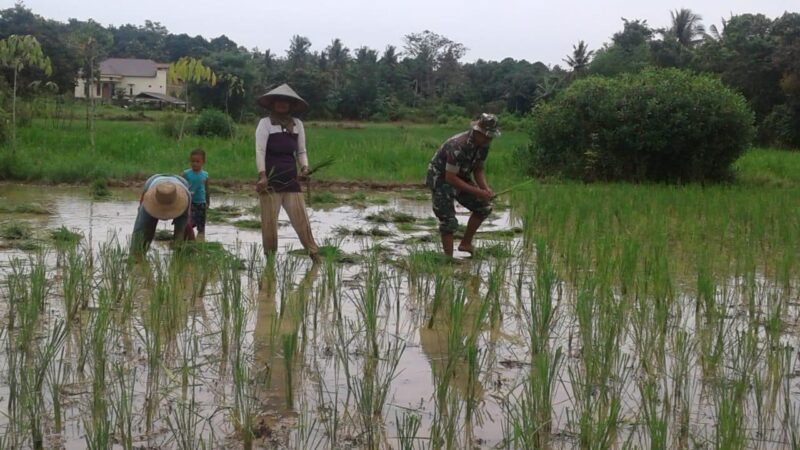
[265,128]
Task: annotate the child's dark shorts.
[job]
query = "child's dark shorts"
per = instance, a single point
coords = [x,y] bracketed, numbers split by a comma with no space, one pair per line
[444,209]
[199,217]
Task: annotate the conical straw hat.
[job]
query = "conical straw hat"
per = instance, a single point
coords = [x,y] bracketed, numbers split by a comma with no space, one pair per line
[165,200]
[283,91]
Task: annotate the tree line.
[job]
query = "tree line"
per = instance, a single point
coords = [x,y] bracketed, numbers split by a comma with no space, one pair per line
[426,79]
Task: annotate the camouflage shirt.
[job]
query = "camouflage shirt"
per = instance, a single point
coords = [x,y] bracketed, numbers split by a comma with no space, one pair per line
[459,155]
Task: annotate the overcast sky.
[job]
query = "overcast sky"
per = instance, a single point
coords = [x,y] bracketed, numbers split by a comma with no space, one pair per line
[490,29]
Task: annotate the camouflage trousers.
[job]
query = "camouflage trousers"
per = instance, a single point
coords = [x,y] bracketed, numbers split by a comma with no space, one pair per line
[442,198]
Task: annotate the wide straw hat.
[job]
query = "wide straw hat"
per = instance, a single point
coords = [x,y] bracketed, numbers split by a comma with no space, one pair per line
[283,91]
[165,200]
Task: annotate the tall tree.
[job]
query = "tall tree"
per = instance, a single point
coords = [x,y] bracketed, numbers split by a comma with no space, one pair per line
[92,43]
[628,52]
[298,53]
[52,36]
[686,28]
[19,53]
[338,56]
[580,58]
[187,71]
[427,51]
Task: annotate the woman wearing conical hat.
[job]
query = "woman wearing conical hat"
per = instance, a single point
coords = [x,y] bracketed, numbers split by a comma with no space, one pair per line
[281,159]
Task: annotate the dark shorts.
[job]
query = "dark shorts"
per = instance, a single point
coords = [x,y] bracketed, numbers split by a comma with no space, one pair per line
[444,209]
[199,217]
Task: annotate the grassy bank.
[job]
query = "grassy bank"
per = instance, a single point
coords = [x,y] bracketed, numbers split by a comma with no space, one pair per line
[134,150]
[386,153]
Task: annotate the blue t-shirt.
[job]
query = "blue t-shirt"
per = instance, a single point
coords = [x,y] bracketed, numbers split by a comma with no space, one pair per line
[197,184]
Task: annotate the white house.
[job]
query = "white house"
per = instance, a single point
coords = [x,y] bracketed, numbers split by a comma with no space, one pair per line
[132,76]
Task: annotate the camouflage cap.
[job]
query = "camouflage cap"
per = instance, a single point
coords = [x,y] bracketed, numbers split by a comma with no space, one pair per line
[487,125]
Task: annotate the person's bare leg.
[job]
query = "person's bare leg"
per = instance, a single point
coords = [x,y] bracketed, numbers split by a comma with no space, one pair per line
[474,222]
[447,244]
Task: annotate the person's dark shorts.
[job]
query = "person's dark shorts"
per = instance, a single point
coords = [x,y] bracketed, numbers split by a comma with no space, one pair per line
[444,209]
[199,217]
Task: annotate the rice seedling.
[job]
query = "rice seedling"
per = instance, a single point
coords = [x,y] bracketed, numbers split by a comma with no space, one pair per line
[244,409]
[55,378]
[324,198]
[289,345]
[362,232]
[248,224]
[390,216]
[528,410]
[25,208]
[65,238]
[16,231]
[222,213]
[99,428]
[597,382]
[124,382]
[330,250]
[163,235]
[77,282]
[407,429]
[99,189]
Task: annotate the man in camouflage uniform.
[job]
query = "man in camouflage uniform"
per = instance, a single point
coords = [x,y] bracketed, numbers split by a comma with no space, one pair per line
[456,173]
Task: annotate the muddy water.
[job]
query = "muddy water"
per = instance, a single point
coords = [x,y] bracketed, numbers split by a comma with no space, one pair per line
[101,221]
[330,332]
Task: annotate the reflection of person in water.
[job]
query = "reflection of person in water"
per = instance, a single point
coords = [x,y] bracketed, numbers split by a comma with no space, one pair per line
[434,343]
[272,327]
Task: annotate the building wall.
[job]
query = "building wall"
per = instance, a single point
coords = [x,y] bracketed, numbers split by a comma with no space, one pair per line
[138,85]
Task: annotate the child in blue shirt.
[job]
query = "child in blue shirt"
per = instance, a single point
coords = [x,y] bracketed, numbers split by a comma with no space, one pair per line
[198,186]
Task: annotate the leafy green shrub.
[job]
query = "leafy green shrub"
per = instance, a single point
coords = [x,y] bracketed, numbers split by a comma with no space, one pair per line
[512,122]
[212,122]
[658,124]
[170,125]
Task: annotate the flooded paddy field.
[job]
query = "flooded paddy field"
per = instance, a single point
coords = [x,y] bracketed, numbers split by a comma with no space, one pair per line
[583,321]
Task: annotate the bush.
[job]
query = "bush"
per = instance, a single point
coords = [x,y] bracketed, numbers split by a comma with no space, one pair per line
[512,121]
[658,125]
[212,122]
[170,125]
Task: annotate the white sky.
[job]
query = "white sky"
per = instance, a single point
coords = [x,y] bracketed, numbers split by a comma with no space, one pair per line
[533,30]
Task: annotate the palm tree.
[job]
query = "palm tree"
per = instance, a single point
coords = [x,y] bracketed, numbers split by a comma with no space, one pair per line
[18,53]
[338,56]
[580,58]
[713,32]
[686,27]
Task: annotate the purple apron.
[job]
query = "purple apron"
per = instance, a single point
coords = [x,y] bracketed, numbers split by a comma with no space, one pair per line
[281,165]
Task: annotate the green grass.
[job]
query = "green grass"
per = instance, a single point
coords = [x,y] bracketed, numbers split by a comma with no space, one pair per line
[384,153]
[767,167]
[128,150]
